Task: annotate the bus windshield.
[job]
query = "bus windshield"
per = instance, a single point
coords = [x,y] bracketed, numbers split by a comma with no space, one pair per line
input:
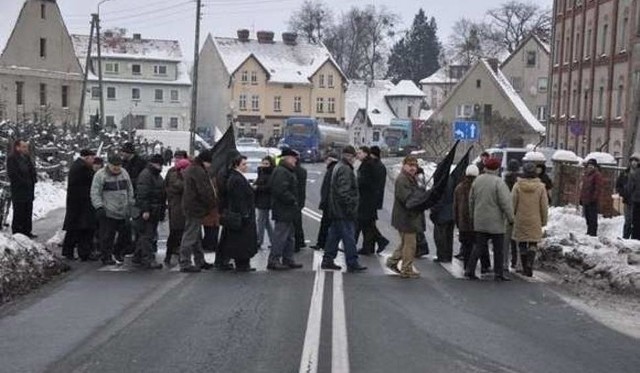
[299,129]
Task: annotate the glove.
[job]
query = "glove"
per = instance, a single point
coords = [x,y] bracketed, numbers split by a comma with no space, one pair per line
[101,213]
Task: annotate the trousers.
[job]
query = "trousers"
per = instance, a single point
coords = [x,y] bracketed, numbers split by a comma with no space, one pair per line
[22,217]
[192,243]
[482,246]
[283,244]
[406,252]
[80,238]
[263,224]
[345,231]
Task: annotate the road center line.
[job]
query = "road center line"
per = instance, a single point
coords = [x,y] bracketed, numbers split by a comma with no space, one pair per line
[311,348]
[339,345]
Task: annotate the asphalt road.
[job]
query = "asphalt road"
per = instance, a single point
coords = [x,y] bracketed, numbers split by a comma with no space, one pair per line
[109,319]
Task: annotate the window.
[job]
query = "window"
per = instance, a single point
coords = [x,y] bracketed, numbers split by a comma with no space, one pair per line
[464,111]
[603,46]
[543,84]
[173,123]
[136,70]
[600,101]
[157,121]
[244,77]
[619,98]
[516,82]
[43,48]
[556,52]
[43,94]
[111,93]
[255,102]
[43,11]
[531,58]
[110,121]
[135,93]
[95,93]
[320,105]
[175,96]
[331,105]
[160,70]
[567,51]
[586,102]
[276,103]
[576,56]
[376,136]
[159,95]
[254,78]
[330,80]
[242,102]
[111,68]
[19,93]
[478,83]
[297,104]
[587,49]
[409,111]
[623,34]
[65,96]
[321,81]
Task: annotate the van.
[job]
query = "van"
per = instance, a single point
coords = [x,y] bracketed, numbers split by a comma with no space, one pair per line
[505,155]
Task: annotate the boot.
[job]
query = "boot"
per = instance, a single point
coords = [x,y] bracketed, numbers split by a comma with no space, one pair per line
[531,257]
[524,259]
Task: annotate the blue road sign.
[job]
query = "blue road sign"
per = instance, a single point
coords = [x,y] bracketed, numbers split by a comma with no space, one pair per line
[466,130]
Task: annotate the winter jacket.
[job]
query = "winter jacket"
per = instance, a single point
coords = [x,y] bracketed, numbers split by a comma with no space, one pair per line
[284,194]
[544,178]
[592,184]
[150,195]
[380,180]
[113,192]
[463,218]
[240,244]
[442,212]
[301,176]
[633,186]
[511,178]
[326,186]
[174,188]
[368,200]
[530,208]
[134,167]
[621,186]
[343,194]
[263,188]
[490,204]
[402,218]
[198,197]
[79,214]
[22,176]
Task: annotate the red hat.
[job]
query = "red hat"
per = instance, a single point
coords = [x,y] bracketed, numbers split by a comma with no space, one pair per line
[492,164]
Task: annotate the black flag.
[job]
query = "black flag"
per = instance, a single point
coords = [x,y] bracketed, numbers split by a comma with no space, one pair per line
[440,178]
[223,152]
[459,172]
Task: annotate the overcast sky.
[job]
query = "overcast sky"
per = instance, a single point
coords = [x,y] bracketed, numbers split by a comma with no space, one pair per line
[174,19]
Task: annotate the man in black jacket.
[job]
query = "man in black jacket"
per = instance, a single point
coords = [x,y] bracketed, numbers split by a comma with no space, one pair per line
[22,176]
[132,162]
[380,180]
[368,201]
[301,175]
[331,161]
[150,203]
[343,211]
[285,210]
[80,219]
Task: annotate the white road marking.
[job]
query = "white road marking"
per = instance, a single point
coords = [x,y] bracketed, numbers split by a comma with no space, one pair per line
[455,268]
[339,342]
[311,347]
[312,214]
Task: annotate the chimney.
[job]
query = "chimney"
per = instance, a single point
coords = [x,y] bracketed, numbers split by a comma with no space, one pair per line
[494,63]
[265,37]
[289,38]
[243,35]
[137,37]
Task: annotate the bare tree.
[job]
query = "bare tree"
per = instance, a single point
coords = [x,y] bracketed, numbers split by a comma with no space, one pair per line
[465,43]
[437,137]
[514,21]
[312,20]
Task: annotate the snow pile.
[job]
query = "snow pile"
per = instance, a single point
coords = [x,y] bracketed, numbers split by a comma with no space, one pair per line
[606,259]
[49,196]
[533,156]
[565,156]
[24,265]
[602,158]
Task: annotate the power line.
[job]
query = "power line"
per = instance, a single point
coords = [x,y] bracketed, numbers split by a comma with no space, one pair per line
[154,20]
[124,10]
[151,12]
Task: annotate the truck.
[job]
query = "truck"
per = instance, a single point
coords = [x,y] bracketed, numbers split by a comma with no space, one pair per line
[313,139]
[398,137]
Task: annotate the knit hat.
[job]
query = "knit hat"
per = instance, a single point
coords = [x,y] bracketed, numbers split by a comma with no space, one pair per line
[375,150]
[492,164]
[156,159]
[180,153]
[513,165]
[472,170]
[128,148]
[288,152]
[349,150]
[593,162]
[529,169]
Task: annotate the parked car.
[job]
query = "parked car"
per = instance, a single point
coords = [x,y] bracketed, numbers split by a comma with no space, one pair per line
[247,141]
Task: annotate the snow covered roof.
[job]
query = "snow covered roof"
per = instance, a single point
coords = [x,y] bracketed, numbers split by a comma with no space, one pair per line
[284,63]
[120,46]
[182,78]
[440,77]
[406,88]
[426,114]
[534,157]
[380,113]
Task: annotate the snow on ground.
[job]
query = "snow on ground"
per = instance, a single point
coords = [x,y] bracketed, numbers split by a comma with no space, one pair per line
[605,259]
[49,196]
[428,167]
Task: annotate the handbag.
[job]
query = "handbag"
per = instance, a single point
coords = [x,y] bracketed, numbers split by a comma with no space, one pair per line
[231,220]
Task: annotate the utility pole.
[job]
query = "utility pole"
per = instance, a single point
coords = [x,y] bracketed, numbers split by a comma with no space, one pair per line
[100,72]
[87,65]
[194,85]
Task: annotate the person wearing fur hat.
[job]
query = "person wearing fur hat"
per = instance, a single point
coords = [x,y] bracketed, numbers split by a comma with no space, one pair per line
[592,183]
[174,187]
[622,188]
[490,207]
[531,211]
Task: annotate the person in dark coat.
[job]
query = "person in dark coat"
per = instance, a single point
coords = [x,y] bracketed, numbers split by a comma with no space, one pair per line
[443,225]
[167,155]
[240,245]
[301,175]
[151,207]
[22,177]
[592,184]
[80,219]
[621,188]
[541,171]
[220,184]
[285,210]
[174,188]
[132,162]
[263,199]
[198,200]
[330,161]
[368,201]
[512,174]
[380,180]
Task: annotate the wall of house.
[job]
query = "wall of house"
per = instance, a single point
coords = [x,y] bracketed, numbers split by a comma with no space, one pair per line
[125,69]
[400,106]
[214,94]
[325,92]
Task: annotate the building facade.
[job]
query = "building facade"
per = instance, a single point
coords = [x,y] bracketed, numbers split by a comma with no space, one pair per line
[40,76]
[256,84]
[146,84]
[591,74]
[437,86]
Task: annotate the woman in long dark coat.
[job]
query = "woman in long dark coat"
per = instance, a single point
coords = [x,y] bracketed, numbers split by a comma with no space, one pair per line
[240,245]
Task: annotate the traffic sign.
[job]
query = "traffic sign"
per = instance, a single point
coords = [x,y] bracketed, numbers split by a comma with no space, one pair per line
[466,130]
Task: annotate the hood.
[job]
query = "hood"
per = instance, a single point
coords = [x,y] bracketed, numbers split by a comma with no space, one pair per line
[530,185]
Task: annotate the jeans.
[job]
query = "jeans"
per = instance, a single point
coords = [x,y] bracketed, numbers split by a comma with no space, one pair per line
[263,224]
[443,236]
[482,246]
[22,217]
[283,243]
[107,230]
[591,216]
[628,221]
[192,243]
[345,231]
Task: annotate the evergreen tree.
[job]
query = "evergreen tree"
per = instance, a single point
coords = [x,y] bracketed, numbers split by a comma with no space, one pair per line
[416,55]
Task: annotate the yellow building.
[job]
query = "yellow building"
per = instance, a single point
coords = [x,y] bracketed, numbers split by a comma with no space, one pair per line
[257,84]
